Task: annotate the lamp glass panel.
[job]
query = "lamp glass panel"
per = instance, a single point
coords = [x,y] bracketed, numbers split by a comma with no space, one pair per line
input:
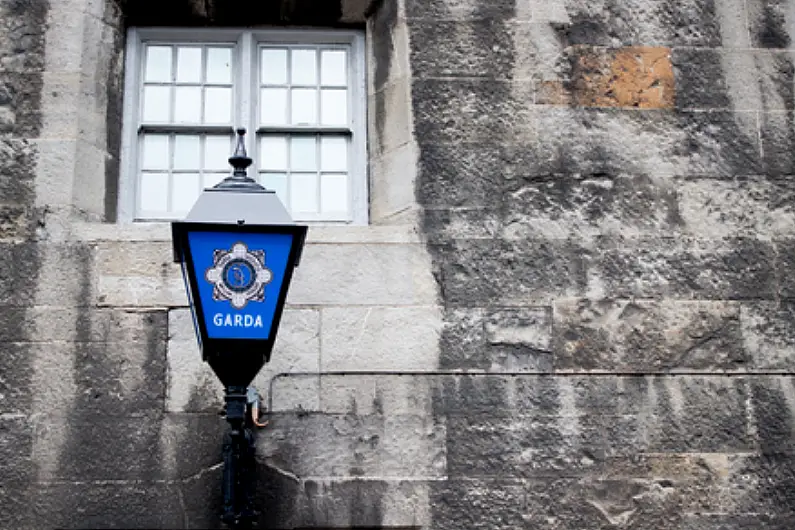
[239,278]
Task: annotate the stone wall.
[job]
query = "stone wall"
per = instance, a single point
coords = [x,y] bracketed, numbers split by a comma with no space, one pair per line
[572,309]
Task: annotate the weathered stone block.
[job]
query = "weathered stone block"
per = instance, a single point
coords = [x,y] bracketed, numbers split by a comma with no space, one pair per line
[478,504]
[363,502]
[772,402]
[685,23]
[483,272]
[583,205]
[642,142]
[474,48]
[728,269]
[768,332]
[641,336]
[778,142]
[16,376]
[734,79]
[363,275]
[16,450]
[466,111]
[392,184]
[785,266]
[768,23]
[290,393]
[377,338]
[452,177]
[460,9]
[632,77]
[82,436]
[123,378]
[375,446]
[744,206]
[23,27]
[136,505]
[444,225]
[390,118]
[762,484]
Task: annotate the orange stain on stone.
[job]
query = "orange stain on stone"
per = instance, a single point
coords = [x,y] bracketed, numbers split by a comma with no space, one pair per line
[636,77]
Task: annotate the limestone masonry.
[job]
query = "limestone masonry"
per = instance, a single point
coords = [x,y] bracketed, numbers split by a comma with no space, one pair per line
[573,308]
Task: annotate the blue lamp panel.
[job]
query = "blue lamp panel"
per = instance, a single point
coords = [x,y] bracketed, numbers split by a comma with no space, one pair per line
[239,277]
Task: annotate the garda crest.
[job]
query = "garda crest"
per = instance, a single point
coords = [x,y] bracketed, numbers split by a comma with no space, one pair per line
[239,275]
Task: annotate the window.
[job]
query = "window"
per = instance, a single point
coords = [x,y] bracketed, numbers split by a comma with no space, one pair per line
[301,95]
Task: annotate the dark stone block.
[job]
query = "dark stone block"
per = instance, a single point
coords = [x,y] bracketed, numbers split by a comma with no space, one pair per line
[126,378]
[674,23]
[23,24]
[20,102]
[104,447]
[465,10]
[770,401]
[699,414]
[778,142]
[643,142]
[700,79]
[16,452]
[684,268]
[769,333]
[16,376]
[449,176]
[477,504]
[591,204]
[477,48]
[466,111]
[763,484]
[767,21]
[17,166]
[624,336]
[785,266]
[15,507]
[485,272]
[736,522]
[117,505]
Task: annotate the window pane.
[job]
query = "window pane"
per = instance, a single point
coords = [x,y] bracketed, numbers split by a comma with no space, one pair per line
[189,65]
[218,105]
[304,67]
[217,150]
[274,66]
[186,152]
[333,153]
[334,105]
[276,182]
[154,192]
[273,106]
[219,65]
[158,64]
[273,152]
[157,104]
[303,153]
[333,68]
[155,155]
[188,105]
[185,191]
[303,192]
[334,193]
[304,106]
[211,179]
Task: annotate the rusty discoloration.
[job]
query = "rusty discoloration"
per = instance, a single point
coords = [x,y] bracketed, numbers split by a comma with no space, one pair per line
[635,77]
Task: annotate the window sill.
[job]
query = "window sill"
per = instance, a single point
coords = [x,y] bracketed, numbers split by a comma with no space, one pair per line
[318,234]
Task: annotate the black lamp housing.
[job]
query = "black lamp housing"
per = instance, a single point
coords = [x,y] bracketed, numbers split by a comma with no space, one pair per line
[238,247]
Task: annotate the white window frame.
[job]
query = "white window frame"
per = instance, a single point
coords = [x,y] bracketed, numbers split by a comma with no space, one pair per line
[245,106]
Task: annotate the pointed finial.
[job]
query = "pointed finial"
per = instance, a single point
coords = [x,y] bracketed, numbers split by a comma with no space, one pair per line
[239,179]
[240,160]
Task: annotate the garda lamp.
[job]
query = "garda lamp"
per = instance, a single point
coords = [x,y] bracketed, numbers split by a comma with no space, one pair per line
[238,247]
